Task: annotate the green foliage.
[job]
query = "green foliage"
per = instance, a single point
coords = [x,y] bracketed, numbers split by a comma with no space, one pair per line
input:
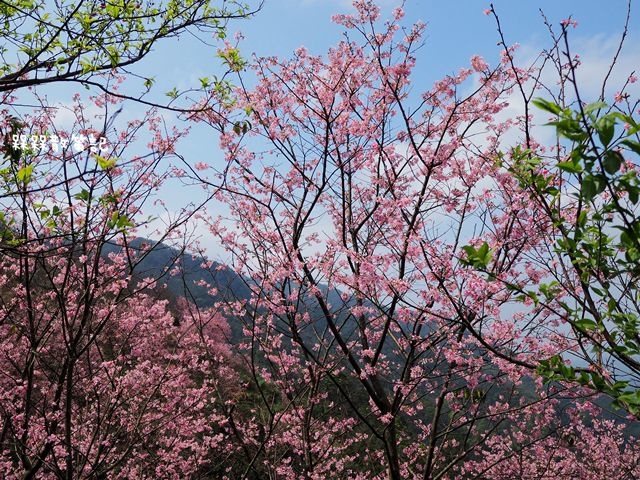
[232,58]
[477,258]
[601,243]
[24,174]
[105,163]
[119,222]
[555,369]
[76,40]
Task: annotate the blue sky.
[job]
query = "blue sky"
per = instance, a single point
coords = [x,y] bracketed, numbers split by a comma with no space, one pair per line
[456,30]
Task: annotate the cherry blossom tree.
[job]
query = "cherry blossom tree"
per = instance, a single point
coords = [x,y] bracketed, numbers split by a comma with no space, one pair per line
[356,207]
[101,375]
[103,372]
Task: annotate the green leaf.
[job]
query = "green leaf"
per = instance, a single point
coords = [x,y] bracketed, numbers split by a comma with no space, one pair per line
[232,59]
[24,174]
[605,127]
[592,185]
[585,324]
[632,145]
[483,251]
[547,106]
[597,381]
[612,161]
[594,106]
[630,399]
[104,163]
[570,128]
[86,66]
[119,222]
[82,195]
[570,167]
[479,258]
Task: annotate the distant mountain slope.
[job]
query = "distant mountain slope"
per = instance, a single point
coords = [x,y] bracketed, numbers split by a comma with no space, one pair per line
[194,269]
